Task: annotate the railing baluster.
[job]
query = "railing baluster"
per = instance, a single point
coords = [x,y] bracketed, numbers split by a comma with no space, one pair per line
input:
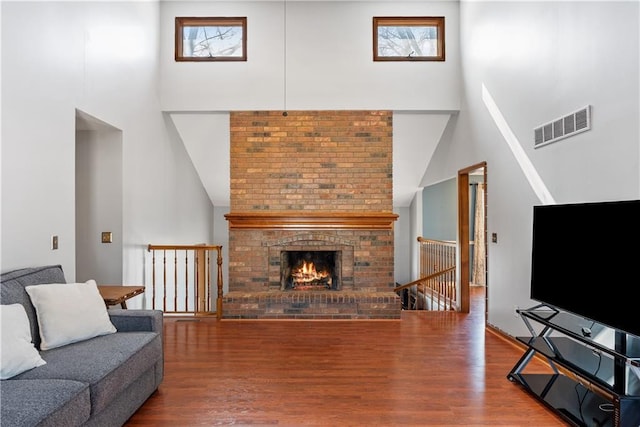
[437,275]
[196,283]
[208,288]
[186,281]
[197,300]
[153,280]
[164,282]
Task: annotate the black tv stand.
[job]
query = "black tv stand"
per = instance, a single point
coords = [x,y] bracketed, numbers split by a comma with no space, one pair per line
[594,378]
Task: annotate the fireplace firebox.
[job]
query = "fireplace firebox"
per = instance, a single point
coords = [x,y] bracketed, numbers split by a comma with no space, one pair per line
[310,270]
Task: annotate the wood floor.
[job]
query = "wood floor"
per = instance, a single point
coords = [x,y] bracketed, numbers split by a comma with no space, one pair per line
[427,369]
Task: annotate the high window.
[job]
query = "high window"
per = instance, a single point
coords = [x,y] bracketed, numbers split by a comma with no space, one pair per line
[408,38]
[211,39]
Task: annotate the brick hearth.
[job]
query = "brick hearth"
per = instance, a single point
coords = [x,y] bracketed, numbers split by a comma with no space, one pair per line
[311,181]
[311,305]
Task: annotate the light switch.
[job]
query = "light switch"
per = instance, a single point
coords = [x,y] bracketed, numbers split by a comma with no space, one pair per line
[107,237]
[494,237]
[54,243]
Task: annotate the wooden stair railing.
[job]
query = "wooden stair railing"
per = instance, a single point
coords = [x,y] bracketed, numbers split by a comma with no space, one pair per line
[436,288]
[435,255]
[435,292]
[181,279]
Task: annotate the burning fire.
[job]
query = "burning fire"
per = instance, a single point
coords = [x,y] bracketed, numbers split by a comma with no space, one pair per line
[307,275]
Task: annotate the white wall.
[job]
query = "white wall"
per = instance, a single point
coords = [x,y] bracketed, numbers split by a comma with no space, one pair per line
[101,58]
[539,61]
[207,139]
[221,238]
[402,245]
[329,60]
[98,205]
[415,231]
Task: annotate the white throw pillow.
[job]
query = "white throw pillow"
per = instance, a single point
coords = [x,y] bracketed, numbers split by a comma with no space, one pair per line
[17,352]
[69,312]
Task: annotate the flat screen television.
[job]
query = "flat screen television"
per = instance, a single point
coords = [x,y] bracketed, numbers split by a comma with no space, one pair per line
[586,260]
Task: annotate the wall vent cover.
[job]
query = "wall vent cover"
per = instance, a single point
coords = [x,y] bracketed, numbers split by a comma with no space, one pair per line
[562,127]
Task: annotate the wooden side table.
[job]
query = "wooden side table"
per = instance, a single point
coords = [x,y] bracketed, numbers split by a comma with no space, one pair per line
[114,294]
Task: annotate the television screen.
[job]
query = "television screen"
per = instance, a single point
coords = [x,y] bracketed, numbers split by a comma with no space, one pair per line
[585,260]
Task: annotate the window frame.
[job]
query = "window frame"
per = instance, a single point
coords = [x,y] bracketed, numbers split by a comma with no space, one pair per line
[410,21]
[184,21]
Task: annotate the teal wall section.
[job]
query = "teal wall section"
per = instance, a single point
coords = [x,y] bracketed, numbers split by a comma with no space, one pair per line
[439,204]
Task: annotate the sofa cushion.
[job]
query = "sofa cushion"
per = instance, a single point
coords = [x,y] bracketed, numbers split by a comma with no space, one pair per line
[12,284]
[50,402]
[108,363]
[17,352]
[69,312]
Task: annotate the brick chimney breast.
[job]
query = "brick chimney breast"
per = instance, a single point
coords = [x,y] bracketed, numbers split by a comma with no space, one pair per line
[311,179]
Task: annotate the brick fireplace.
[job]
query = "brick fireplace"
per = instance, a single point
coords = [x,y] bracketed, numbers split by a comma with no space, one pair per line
[316,185]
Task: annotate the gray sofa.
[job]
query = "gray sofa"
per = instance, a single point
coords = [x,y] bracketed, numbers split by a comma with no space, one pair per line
[98,382]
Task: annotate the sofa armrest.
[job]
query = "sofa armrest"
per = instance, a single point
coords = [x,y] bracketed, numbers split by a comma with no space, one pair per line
[134,320]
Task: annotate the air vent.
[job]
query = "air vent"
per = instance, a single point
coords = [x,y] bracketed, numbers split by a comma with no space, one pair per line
[562,127]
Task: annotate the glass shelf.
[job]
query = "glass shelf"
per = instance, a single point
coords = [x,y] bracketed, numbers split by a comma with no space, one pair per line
[601,337]
[595,379]
[575,403]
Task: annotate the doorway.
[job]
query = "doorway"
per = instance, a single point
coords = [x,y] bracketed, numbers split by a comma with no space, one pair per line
[99,196]
[479,174]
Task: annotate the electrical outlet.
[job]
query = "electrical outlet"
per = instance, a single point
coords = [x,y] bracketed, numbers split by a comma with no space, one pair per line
[54,243]
[515,310]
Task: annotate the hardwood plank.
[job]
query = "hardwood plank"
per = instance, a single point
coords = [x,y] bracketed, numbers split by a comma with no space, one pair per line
[427,369]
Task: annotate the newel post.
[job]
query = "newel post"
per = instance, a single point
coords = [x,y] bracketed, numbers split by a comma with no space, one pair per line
[219,296]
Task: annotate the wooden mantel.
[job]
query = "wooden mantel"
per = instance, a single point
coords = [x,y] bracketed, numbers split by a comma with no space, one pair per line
[311,220]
